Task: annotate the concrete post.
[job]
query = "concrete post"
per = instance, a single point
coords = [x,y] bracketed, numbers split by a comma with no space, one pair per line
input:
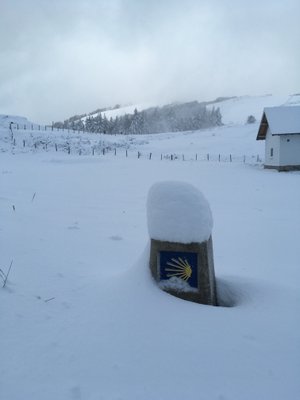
[183,268]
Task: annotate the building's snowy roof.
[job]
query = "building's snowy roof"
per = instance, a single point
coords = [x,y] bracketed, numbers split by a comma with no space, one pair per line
[280,120]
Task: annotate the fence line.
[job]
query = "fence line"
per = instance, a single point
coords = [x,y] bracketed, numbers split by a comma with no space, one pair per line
[115,151]
[46,128]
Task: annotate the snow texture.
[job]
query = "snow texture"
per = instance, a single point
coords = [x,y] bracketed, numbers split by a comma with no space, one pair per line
[5,120]
[178,212]
[176,283]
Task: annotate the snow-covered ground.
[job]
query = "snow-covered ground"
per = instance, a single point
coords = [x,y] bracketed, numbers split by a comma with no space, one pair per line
[80,315]
[237,141]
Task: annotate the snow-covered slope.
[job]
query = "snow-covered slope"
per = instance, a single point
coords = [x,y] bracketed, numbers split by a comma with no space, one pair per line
[237,141]
[237,110]
[234,110]
[235,137]
[127,110]
[122,110]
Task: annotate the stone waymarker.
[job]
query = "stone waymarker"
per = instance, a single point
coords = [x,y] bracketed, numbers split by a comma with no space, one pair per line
[181,255]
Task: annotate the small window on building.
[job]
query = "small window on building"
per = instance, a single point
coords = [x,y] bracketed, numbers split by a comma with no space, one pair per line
[271,152]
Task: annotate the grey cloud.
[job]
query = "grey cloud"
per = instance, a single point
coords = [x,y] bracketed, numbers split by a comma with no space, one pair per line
[64,57]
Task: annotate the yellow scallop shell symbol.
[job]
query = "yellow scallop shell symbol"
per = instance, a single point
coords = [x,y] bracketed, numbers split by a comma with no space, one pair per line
[180,268]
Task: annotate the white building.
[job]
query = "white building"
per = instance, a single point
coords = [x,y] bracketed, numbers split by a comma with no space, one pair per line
[280,128]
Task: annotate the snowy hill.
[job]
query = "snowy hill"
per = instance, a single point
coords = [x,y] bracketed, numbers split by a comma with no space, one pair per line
[234,110]
[238,141]
[80,316]
[147,118]
[125,110]
[234,138]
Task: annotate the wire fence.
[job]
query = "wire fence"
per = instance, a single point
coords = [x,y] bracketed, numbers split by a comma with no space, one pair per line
[45,128]
[118,150]
[78,145]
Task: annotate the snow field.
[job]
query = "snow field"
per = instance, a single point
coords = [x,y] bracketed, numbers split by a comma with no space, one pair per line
[224,144]
[81,317]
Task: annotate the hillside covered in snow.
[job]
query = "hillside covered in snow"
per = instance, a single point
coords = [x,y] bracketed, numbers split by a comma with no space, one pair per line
[144,118]
[235,139]
[169,118]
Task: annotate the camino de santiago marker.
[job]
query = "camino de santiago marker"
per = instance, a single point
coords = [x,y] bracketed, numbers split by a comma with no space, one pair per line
[181,255]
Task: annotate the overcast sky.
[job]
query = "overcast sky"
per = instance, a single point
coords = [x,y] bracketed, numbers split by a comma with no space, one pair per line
[63,57]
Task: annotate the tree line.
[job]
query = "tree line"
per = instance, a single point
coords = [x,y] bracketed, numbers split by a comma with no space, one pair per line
[169,118]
